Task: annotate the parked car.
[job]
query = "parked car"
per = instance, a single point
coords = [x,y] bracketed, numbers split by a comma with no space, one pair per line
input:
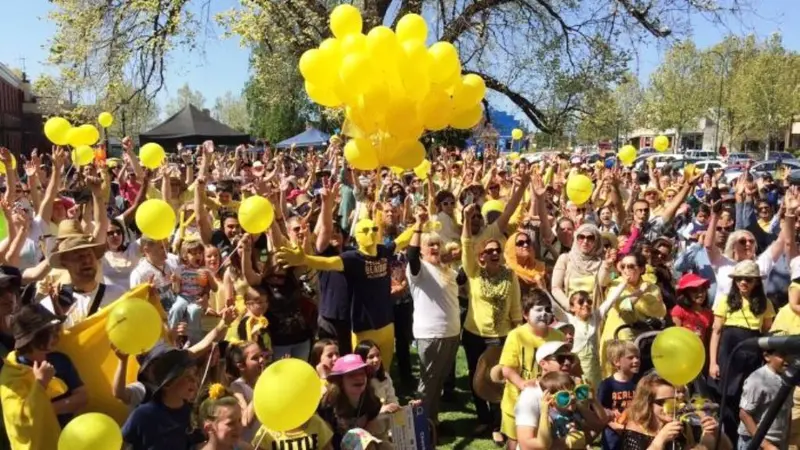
[712,163]
[783,156]
[742,157]
[700,154]
[661,160]
[770,166]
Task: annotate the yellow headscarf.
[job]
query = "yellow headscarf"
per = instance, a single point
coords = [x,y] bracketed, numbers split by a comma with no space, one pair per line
[532,275]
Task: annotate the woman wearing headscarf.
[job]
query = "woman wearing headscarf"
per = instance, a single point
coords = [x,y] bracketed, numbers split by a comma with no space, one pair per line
[587,267]
[521,259]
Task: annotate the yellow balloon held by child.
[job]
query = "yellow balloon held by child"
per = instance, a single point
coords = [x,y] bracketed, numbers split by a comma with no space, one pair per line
[133,326]
[90,431]
[155,219]
[579,189]
[256,214]
[661,143]
[287,394]
[627,154]
[678,355]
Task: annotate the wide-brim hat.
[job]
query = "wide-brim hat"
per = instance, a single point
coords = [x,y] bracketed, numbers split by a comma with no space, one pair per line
[165,368]
[30,320]
[484,386]
[746,269]
[692,280]
[71,237]
[347,364]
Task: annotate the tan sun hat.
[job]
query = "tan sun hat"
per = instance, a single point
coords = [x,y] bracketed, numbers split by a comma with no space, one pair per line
[70,237]
[746,269]
[485,387]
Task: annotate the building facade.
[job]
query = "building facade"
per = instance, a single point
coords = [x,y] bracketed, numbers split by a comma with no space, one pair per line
[20,120]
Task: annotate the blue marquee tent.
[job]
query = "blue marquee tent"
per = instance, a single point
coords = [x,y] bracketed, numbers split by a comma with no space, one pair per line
[310,137]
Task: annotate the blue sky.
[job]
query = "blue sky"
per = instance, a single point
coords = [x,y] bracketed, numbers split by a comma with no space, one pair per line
[224,65]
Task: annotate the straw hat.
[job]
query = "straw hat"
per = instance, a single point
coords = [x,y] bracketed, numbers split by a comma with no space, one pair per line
[746,269]
[485,388]
[71,237]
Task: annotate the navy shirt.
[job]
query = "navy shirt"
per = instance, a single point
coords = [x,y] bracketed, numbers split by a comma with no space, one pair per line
[154,426]
[335,300]
[370,285]
[615,396]
[66,372]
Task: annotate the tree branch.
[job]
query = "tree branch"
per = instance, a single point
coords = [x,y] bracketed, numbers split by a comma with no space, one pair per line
[652,26]
[528,108]
[463,22]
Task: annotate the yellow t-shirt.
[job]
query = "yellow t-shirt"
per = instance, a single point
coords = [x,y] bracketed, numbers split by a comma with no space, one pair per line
[519,353]
[743,318]
[787,321]
[314,435]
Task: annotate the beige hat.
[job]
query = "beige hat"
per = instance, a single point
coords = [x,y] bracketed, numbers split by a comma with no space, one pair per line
[484,386]
[71,237]
[746,269]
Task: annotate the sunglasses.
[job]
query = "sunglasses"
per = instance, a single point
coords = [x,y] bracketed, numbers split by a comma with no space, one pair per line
[367,230]
[628,266]
[641,210]
[745,280]
[523,243]
[491,251]
[565,398]
[296,229]
[448,203]
[664,402]
[764,208]
[586,237]
[580,301]
[580,210]
[494,188]
[745,241]
[729,229]
[562,358]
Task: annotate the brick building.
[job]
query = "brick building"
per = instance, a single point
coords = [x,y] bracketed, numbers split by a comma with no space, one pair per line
[20,120]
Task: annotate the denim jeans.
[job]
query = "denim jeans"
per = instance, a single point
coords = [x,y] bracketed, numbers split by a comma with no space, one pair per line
[184,311]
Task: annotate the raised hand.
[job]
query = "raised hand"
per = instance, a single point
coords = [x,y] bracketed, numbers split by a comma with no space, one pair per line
[43,372]
[290,256]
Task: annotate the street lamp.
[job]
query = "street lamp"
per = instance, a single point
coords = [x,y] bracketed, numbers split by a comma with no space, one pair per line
[724,65]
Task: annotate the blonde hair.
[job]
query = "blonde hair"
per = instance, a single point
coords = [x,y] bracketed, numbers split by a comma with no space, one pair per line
[617,349]
[640,410]
[189,245]
[553,382]
[732,238]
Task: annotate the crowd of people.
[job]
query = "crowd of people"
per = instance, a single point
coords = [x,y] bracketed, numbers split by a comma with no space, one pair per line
[554,303]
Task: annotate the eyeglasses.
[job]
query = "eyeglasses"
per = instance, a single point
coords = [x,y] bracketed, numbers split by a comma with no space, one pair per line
[367,230]
[586,237]
[524,243]
[491,251]
[565,398]
[729,229]
[745,241]
[628,266]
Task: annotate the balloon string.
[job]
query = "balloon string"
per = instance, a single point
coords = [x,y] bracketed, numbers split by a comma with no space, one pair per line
[205,372]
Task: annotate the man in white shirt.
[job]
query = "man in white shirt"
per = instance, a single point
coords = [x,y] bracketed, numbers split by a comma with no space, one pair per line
[78,254]
[163,271]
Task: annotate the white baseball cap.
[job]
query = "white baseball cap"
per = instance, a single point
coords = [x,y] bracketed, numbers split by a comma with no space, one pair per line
[549,349]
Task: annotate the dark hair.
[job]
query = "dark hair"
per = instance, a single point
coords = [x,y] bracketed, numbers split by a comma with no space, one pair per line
[318,348]
[234,355]
[535,297]
[641,261]
[369,404]
[442,196]
[40,341]
[225,215]
[685,300]
[579,294]
[703,208]
[362,350]
[758,299]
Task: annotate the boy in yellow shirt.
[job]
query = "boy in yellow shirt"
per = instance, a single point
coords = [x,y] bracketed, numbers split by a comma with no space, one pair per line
[518,360]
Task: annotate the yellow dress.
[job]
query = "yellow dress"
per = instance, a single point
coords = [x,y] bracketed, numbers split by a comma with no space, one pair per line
[650,305]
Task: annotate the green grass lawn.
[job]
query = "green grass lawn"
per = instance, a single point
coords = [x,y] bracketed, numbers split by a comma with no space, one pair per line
[459,416]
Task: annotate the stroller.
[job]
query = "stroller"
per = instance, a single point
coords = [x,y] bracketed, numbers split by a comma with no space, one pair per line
[645,332]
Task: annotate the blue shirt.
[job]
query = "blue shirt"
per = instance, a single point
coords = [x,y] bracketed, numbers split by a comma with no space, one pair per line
[370,283]
[335,293]
[154,426]
[695,259]
[615,396]
[66,372]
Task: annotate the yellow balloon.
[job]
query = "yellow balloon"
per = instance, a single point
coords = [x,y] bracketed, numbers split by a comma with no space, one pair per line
[134,326]
[89,134]
[661,143]
[627,154]
[513,156]
[155,218]
[316,68]
[409,154]
[152,155]
[467,119]
[579,189]
[678,355]
[82,155]
[516,134]
[421,171]
[492,206]
[90,431]
[256,214]
[435,110]
[345,20]
[105,119]
[13,164]
[354,43]
[56,130]
[382,46]
[397,170]
[361,154]
[287,394]
[356,73]
[412,28]
[402,120]
[333,48]
[322,95]
[444,61]
[473,88]
[74,137]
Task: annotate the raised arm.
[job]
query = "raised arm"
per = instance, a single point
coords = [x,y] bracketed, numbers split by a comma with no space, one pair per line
[325,220]
[468,257]
[201,215]
[294,256]
[46,208]
[672,207]
[540,202]
[520,184]
[127,147]
[141,195]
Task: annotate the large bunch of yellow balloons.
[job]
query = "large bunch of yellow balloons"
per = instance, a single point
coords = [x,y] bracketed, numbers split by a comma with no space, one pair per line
[392,87]
[59,131]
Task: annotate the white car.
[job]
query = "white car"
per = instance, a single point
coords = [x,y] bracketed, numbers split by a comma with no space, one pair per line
[661,160]
[713,163]
[700,154]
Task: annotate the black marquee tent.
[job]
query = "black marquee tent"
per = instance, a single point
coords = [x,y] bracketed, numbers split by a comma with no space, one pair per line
[193,126]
